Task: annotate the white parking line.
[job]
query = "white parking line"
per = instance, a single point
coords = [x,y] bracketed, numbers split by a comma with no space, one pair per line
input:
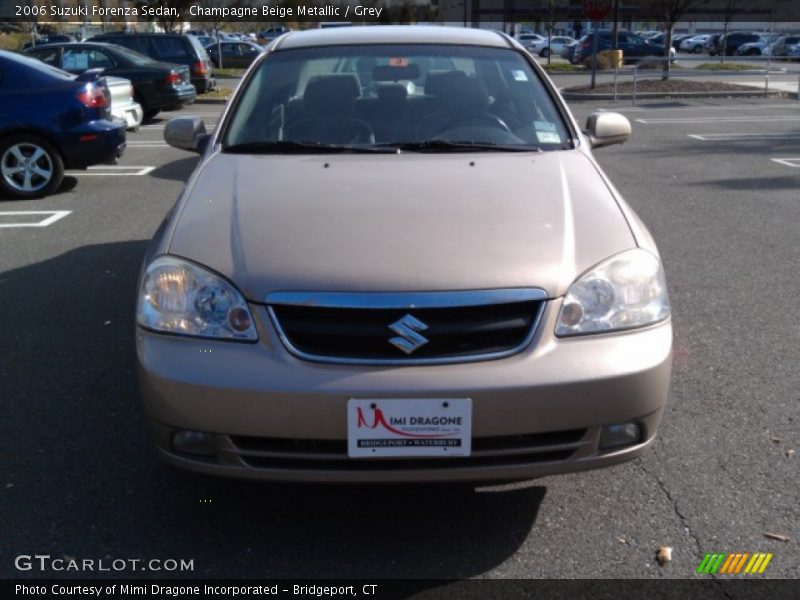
[789,162]
[55,215]
[690,107]
[742,137]
[146,144]
[717,120]
[115,171]
[209,126]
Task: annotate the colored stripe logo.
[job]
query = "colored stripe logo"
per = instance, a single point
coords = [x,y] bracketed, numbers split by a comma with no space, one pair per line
[735,564]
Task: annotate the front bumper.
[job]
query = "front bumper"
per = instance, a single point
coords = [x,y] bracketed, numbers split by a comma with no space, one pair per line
[276,417]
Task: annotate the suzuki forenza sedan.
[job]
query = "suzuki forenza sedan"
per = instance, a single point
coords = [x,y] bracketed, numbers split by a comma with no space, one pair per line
[398,261]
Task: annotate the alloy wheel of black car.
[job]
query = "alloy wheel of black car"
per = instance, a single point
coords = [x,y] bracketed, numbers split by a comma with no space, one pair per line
[29,167]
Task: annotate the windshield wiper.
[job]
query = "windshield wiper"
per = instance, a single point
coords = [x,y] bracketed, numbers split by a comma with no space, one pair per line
[292,147]
[459,146]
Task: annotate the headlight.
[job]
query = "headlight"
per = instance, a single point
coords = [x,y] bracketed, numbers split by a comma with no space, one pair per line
[177,296]
[625,291]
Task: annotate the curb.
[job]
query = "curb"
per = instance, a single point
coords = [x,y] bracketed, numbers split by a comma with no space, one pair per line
[629,96]
[210,101]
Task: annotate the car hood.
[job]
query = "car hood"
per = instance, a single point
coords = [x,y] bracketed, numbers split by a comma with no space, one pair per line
[408,222]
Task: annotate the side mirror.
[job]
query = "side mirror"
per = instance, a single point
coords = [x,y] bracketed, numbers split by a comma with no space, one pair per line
[606,128]
[186,133]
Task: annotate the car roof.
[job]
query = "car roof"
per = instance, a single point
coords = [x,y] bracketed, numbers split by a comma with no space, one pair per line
[74,44]
[139,34]
[392,34]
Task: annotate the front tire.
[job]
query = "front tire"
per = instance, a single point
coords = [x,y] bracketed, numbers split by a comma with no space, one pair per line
[30,167]
[544,52]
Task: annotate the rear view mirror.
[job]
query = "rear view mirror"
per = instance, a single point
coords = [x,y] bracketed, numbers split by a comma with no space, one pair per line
[186,133]
[395,73]
[606,128]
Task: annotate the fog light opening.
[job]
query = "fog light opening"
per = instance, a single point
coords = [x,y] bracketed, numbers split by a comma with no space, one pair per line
[621,434]
[193,442]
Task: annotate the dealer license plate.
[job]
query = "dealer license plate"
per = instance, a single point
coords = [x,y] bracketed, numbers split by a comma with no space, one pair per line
[414,427]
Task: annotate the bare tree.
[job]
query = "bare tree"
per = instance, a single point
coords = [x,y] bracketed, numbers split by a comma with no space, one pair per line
[669,12]
[729,9]
[168,22]
[557,10]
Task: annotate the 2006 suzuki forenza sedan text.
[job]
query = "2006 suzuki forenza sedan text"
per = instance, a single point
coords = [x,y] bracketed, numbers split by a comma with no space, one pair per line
[398,261]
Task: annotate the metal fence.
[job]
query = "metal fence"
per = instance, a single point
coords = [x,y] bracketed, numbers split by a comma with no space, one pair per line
[652,67]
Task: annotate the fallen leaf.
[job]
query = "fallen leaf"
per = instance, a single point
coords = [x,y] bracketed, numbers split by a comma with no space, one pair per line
[107,323]
[775,439]
[776,536]
[622,540]
[664,555]
[789,452]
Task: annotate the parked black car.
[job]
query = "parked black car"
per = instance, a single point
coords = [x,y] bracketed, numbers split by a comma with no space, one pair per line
[171,48]
[677,39]
[633,46]
[234,54]
[51,120]
[156,86]
[728,44]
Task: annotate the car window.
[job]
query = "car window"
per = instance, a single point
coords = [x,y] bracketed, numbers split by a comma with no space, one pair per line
[169,48]
[377,94]
[77,60]
[198,48]
[46,55]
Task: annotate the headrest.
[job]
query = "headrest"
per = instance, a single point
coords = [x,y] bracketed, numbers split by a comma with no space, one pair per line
[331,92]
[437,82]
[457,90]
[392,91]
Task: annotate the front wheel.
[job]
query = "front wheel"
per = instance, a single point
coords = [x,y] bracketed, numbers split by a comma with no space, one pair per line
[698,49]
[544,52]
[30,167]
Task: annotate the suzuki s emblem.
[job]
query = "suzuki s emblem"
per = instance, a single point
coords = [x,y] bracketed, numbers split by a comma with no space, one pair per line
[408,339]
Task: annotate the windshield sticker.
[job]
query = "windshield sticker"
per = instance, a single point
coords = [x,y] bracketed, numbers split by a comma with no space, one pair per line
[544,126]
[548,137]
[519,75]
[398,61]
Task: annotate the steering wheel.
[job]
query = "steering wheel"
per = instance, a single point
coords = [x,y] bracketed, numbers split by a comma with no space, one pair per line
[478,120]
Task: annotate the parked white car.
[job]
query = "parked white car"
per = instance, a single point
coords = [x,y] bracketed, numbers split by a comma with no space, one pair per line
[695,44]
[529,40]
[556,45]
[123,106]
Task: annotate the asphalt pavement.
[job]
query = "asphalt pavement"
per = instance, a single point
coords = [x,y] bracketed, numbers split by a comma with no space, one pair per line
[717,183]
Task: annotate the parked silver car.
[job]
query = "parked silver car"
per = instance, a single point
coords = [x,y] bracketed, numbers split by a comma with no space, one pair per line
[370,281]
[123,106]
[554,45]
[695,44]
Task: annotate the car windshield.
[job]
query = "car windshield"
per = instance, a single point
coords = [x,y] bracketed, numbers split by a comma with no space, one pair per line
[40,67]
[428,98]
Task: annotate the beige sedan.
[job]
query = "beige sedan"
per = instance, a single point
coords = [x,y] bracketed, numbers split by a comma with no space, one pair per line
[398,261]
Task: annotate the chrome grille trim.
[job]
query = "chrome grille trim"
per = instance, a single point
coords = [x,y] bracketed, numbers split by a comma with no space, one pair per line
[406,300]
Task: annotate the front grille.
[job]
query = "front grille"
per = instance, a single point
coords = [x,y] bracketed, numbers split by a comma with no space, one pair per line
[284,453]
[430,330]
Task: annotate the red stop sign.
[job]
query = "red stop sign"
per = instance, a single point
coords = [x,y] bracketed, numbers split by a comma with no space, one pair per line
[597,10]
